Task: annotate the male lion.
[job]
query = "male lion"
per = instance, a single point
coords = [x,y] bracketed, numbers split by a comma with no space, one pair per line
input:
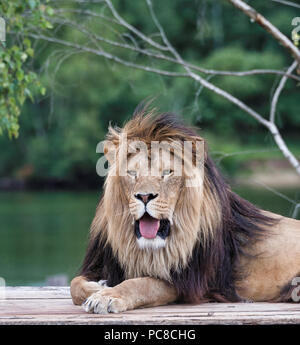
[156,239]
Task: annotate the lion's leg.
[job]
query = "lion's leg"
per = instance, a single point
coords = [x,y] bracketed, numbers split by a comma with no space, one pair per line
[81,289]
[131,294]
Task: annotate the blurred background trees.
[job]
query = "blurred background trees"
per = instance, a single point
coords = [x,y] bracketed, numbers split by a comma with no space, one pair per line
[59,131]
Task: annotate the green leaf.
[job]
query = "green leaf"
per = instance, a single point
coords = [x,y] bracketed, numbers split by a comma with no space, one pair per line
[50,11]
[20,75]
[24,57]
[43,91]
[48,25]
[30,52]
[27,43]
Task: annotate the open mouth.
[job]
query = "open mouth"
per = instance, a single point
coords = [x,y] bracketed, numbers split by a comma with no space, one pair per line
[149,227]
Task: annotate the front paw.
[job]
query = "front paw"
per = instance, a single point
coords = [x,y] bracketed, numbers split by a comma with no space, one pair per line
[104,302]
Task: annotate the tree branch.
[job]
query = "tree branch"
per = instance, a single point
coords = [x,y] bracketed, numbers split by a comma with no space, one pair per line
[276,192]
[106,55]
[133,29]
[189,68]
[296,210]
[283,147]
[268,124]
[287,3]
[201,80]
[273,128]
[278,92]
[269,27]
[159,55]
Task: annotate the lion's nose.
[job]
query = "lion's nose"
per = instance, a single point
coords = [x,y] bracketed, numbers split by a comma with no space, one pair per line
[145,198]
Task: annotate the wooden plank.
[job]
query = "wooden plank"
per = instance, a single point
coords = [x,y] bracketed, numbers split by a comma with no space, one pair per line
[53,305]
[37,292]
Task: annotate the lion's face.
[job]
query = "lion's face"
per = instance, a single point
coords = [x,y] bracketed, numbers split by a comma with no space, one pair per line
[153,191]
[152,212]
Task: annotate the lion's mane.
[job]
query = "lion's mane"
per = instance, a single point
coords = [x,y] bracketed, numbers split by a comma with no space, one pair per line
[210,229]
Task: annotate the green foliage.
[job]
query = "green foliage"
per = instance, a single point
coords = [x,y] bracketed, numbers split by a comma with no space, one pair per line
[17,81]
[59,133]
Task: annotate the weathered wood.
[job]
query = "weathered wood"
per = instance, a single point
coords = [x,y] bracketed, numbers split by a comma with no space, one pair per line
[44,292]
[53,305]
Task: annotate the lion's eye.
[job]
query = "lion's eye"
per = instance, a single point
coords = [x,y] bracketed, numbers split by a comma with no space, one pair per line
[132,173]
[167,172]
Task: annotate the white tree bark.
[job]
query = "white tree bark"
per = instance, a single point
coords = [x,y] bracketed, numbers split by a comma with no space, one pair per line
[263,22]
[167,52]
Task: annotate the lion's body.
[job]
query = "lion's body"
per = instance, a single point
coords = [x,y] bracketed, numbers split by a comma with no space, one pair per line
[276,262]
[190,243]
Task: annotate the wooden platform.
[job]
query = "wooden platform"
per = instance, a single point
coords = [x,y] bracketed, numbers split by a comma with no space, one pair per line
[53,305]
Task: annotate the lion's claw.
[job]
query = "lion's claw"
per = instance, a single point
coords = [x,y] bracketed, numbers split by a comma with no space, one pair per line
[103,302]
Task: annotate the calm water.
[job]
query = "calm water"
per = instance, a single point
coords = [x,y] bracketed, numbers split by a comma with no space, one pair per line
[45,233]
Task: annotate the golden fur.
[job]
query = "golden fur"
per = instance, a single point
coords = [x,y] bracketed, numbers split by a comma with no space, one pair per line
[186,215]
[210,225]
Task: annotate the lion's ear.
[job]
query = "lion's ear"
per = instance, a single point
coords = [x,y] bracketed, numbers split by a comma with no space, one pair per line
[110,151]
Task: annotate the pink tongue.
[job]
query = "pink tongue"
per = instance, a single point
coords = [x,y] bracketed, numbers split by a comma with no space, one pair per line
[149,226]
